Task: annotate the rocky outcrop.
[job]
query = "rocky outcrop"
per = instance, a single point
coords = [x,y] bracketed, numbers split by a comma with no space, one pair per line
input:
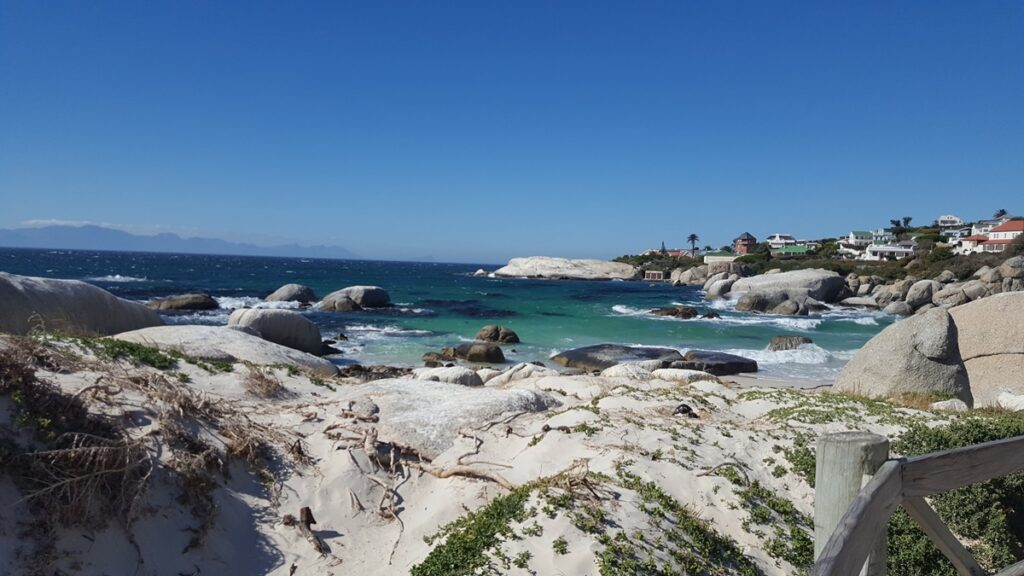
[283,327]
[689,277]
[429,417]
[899,308]
[452,375]
[566,269]
[921,293]
[601,356]
[495,333]
[363,296]
[991,342]
[184,302]
[684,312]
[778,343]
[337,302]
[292,293]
[225,344]
[520,371]
[480,352]
[821,285]
[716,363]
[28,303]
[918,355]
[720,288]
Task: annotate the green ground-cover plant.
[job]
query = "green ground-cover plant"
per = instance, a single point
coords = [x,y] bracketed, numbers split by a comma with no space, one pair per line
[988,517]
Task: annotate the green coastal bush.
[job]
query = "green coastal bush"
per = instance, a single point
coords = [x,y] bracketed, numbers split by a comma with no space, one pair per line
[988,517]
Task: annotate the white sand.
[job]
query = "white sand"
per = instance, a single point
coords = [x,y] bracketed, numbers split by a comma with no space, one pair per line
[595,423]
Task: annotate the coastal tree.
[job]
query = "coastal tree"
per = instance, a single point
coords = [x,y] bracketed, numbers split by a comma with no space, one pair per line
[663,250]
[1000,213]
[693,239]
[906,221]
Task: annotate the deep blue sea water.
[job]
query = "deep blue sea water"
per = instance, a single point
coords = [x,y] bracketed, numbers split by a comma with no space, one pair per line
[443,304]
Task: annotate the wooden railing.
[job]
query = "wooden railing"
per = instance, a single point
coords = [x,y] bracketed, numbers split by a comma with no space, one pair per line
[855,544]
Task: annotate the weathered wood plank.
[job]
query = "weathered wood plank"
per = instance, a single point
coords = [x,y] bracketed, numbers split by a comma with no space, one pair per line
[845,463]
[854,538]
[943,471]
[1012,570]
[947,543]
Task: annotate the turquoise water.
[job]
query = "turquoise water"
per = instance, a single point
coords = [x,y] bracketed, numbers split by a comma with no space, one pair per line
[440,305]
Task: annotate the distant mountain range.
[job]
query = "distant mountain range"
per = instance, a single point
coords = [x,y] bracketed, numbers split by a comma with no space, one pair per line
[92,237]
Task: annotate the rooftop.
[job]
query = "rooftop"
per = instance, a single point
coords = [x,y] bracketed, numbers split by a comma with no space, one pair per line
[1010,226]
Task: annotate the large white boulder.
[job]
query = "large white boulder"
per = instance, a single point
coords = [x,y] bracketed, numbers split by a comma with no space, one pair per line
[564,268]
[27,303]
[918,355]
[364,296]
[226,344]
[283,327]
[821,285]
[427,416]
[292,293]
[990,334]
[452,375]
[521,372]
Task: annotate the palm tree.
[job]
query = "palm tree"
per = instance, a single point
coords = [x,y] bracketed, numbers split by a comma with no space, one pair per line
[999,213]
[906,221]
[693,239]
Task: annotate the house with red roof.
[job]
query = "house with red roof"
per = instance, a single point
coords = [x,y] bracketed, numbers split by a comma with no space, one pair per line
[994,241]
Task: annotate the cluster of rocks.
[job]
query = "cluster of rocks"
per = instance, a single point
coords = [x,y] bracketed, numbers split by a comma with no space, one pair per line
[566,269]
[603,356]
[916,296]
[799,292]
[482,351]
[684,312]
[973,353]
[707,274]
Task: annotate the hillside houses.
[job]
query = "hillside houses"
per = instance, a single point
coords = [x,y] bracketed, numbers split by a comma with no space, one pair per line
[994,240]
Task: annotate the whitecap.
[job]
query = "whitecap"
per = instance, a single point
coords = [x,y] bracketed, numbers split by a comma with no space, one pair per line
[117,278]
[236,302]
[623,310]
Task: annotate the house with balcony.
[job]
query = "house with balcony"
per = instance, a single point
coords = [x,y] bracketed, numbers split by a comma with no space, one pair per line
[881,236]
[858,239]
[744,244]
[1003,235]
[985,226]
[876,252]
[949,221]
[776,241]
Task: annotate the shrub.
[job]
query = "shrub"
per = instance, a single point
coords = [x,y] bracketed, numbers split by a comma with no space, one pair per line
[988,517]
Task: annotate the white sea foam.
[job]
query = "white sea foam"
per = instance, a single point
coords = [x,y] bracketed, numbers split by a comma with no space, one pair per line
[236,302]
[371,332]
[623,310]
[802,323]
[117,278]
[805,354]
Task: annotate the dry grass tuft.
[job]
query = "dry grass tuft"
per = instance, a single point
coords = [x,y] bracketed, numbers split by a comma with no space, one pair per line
[262,383]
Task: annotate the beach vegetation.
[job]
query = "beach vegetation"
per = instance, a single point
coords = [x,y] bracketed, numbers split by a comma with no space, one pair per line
[986,517]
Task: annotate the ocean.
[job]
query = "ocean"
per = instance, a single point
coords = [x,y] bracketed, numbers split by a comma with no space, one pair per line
[438,305]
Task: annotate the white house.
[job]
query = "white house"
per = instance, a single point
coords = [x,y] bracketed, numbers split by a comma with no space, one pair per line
[881,236]
[876,252]
[949,221]
[969,244]
[985,226]
[956,233]
[858,239]
[1003,235]
[776,241]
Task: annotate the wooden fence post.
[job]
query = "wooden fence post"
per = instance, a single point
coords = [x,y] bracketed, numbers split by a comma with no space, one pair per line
[845,461]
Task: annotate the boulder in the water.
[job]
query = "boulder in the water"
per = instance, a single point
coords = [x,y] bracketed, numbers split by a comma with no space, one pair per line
[601,356]
[778,343]
[716,363]
[292,293]
[184,302]
[283,327]
[495,333]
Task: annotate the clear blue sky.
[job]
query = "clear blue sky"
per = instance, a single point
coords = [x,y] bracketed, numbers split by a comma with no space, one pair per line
[479,130]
